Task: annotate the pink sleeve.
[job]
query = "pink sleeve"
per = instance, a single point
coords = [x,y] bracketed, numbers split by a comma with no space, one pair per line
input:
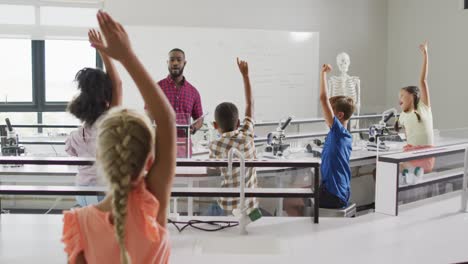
[71,236]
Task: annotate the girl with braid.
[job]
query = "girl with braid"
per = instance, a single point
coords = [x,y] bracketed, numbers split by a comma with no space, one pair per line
[129,225]
[416,117]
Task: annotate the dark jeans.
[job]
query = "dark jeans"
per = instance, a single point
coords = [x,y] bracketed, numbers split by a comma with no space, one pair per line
[328,200]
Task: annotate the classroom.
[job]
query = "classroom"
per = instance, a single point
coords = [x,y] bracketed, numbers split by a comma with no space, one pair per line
[261,131]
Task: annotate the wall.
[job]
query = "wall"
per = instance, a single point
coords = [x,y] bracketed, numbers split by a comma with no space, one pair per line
[443,24]
[358,27]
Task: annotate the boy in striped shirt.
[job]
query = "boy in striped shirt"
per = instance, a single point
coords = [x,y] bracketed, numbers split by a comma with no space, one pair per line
[241,137]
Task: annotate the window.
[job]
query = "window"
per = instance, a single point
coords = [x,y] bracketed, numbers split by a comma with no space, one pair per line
[16,69]
[40,78]
[62,118]
[59,118]
[40,72]
[68,16]
[20,119]
[43,19]
[63,59]
[17,15]
[16,80]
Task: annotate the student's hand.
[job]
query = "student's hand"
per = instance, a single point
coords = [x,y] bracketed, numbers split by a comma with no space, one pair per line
[95,37]
[243,67]
[118,43]
[423,47]
[193,129]
[407,147]
[326,68]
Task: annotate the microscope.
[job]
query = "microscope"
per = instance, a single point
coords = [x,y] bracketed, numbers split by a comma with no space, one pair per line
[9,141]
[380,130]
[275,140]
[315,147]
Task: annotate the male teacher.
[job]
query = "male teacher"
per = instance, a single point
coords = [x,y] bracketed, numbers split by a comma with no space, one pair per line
[183,96]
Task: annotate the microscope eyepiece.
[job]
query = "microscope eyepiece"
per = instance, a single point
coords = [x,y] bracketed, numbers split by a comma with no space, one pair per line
[286,123]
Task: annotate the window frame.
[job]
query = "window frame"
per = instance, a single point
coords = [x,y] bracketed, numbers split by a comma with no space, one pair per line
[38,86]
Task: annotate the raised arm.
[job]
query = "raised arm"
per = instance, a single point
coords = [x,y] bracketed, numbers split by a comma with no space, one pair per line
[162,173]
[95,37]
[425,97]
[249,101]
[324,99]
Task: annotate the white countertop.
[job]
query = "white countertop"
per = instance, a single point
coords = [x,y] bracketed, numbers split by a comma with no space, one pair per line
[62,170]
[436,151]
[432,232]
[359,157]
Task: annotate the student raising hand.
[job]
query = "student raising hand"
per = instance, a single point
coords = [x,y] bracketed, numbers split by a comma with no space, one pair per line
[423,47]
[324,100]
[425,95]
[161,174]
[327,68]
[95,38]
[115,34]
[243,67]
[249,100]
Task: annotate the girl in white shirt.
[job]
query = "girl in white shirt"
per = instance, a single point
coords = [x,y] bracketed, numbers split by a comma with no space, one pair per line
[416,117]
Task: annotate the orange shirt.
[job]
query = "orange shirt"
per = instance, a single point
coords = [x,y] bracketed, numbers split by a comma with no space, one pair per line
[90,231]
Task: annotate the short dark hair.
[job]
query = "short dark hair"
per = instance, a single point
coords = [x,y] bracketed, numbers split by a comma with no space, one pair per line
[95,95]
[343,104]
[227,115]
[177,49]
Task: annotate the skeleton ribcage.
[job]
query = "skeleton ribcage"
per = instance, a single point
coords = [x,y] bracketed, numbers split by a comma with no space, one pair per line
[346,88]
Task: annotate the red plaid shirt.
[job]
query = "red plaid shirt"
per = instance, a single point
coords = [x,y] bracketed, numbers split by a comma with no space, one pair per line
[186,102]
[184,99]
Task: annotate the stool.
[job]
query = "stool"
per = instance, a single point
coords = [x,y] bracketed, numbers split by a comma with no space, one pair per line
[349,211]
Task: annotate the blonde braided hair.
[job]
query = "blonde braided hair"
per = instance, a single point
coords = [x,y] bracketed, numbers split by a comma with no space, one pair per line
[125,139]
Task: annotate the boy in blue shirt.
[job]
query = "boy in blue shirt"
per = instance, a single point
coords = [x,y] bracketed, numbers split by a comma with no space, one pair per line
[336,173]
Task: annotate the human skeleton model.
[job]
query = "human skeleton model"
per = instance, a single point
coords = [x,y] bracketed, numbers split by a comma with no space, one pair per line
[346,85]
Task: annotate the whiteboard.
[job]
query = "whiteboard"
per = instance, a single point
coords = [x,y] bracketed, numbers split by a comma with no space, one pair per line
[283,67]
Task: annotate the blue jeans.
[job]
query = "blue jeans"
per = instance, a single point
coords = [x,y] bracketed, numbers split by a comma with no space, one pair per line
[88,200]
[215,210]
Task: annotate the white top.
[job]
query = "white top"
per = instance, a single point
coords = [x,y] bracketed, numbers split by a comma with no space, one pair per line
[371,237]
[418,133]
[82,143]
